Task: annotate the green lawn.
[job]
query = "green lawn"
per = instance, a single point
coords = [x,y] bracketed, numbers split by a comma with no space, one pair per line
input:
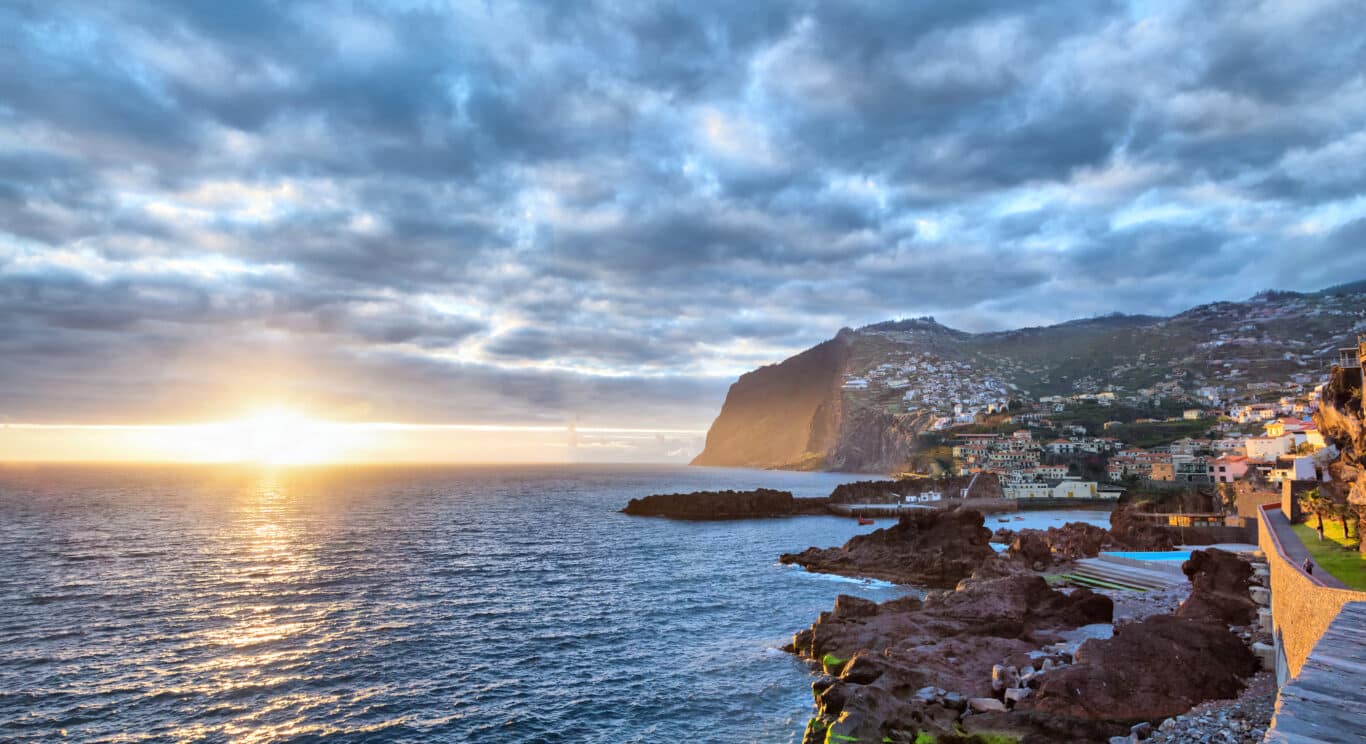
[1336,555]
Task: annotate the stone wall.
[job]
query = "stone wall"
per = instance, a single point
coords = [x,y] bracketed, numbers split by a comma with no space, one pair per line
[1248,498]
[1301,608]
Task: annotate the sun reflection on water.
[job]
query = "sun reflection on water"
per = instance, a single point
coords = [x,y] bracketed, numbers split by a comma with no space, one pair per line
[267,619]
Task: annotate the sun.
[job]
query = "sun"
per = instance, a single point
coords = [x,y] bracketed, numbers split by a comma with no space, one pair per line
[278,435]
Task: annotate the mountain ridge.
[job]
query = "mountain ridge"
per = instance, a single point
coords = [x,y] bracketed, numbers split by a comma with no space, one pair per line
[862,402]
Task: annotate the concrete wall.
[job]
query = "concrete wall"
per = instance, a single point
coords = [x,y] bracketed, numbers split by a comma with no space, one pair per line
[1301,608]
[1249,501]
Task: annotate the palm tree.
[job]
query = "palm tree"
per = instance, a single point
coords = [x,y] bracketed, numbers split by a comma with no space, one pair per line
[1315,503]
[1341,510]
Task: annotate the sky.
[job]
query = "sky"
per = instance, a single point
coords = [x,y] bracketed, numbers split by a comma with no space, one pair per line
[532,214]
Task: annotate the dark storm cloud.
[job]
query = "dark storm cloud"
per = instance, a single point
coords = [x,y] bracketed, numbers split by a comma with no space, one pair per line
[509,211]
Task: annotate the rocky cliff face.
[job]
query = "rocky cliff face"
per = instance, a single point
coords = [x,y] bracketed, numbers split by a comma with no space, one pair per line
[906,374]
[1342,422]
[782,416]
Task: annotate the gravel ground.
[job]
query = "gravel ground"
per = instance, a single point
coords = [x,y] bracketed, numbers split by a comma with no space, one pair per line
[1131,606]
[1243,720]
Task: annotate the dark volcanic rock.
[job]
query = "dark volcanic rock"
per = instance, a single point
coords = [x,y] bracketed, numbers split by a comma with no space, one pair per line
[926,547]
[724,505]
[890,657]
[1135,532]
[1156,668]
[1219,588]
[1066,543]
[1031,547]
[1077,540]
[981,486]
[1138,533]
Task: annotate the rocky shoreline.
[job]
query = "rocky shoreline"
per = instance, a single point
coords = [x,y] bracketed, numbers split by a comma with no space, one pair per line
[1003,656]
[702,505]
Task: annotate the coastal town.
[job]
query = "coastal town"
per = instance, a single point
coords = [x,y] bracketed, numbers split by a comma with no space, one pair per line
[1233,402]
[1235,521]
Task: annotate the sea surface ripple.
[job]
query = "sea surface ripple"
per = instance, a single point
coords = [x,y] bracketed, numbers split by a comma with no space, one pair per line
[508,604]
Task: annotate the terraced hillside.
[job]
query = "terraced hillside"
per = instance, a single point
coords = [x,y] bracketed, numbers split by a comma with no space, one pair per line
[860,401]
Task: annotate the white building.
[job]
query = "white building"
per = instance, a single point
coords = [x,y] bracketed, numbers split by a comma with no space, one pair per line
[1064,489]
[1268,448]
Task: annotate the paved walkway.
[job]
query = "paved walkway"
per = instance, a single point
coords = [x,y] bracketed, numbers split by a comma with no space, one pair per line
[1295,550]
[1327,701]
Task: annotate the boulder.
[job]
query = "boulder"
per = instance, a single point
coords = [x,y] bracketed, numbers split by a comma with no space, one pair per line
[1031,547]
[926,547]
[1156,668]
[850,606]
[986,705]
[1016,694]
[1219,588]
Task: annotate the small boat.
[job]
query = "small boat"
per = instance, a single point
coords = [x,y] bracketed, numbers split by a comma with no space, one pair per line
[1003,521]
[864,520]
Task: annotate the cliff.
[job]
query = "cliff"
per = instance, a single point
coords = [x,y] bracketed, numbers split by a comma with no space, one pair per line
[860,401]
[1342,421]
[783,415]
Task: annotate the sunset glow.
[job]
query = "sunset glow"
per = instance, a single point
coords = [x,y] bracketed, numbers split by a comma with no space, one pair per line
[281,435]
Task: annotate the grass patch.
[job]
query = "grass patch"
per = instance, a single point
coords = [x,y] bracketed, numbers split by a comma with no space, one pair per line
[1336,554]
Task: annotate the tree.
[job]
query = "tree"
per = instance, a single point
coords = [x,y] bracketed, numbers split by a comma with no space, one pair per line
[1342,511]
[1317,504]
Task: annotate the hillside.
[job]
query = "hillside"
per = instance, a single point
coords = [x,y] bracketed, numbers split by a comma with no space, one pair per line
[860,401]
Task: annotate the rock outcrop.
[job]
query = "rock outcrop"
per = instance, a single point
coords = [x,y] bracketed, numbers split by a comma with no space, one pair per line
[1066,543]
[1131,530]
[983,486]
[1219,588]
[926,547]
[1342,421]
[1159,667]
[762,502]
[1005,654]
[904,667]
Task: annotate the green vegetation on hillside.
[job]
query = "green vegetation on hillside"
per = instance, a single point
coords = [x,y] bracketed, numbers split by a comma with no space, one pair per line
[1159,433]
[1336,554]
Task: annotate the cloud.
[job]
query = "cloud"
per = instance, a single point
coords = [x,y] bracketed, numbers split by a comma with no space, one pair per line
[514,211]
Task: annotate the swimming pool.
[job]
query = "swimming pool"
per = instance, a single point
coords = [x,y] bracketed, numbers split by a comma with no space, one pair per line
[1152,555]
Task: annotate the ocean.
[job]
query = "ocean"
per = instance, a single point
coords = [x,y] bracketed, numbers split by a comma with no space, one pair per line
[479,604]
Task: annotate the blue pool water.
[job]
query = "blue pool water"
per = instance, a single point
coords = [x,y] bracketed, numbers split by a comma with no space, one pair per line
[1155,555]
[405,604]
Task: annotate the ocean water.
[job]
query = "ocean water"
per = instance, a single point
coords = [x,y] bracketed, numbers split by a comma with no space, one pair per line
[404,604]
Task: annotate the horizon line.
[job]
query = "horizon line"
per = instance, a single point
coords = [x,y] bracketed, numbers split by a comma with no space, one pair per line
[374,425]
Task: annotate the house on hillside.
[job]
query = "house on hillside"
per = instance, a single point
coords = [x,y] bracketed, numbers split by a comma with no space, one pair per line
[1267,448]
[1227,469]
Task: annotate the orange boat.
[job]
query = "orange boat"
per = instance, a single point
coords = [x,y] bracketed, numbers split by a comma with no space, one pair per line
[864,520]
